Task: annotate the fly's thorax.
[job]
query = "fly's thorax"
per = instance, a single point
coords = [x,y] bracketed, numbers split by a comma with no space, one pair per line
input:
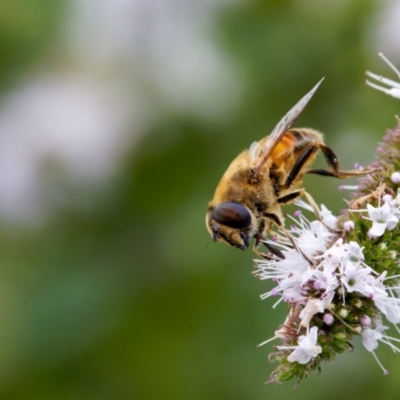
[291,145]
[235,183]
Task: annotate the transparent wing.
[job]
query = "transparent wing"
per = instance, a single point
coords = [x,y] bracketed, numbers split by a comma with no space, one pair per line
[284,124]
[255,150]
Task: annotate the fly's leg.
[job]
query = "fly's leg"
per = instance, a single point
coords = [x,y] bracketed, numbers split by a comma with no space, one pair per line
[308,152]
[286,233]
[274,251]
[333,162]
[331,159]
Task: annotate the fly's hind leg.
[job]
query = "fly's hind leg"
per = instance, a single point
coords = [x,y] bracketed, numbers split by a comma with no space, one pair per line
[333,162]
[308,153]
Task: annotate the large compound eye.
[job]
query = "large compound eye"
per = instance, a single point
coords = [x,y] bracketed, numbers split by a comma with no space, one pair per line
[232,214]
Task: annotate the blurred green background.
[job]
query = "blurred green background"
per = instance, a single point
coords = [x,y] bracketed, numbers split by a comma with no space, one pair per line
[117,119]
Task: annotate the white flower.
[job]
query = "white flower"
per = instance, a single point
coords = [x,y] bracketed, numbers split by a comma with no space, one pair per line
[394,87]
[292,269]
[330,220]
[354,278]
[307,348]
[312,238]
[325,280]
[370,337]
[341,256]
[289,274]
[388,305]
[315,278]
[319,230]
[382,218]
[294,294]
[355,254]
[334,256]
[312,307]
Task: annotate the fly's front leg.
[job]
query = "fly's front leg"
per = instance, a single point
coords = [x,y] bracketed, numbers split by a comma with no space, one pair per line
[273,219]
[274,251]
[260,239]
[286,233]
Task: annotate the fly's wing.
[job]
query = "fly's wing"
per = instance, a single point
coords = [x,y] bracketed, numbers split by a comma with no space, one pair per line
[263,152]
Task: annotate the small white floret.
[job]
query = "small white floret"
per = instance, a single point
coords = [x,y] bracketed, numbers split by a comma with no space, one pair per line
[307,349]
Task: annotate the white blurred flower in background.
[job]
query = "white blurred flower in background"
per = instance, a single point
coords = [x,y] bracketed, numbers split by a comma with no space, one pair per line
[57,121]
[118,64]
[387,29]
